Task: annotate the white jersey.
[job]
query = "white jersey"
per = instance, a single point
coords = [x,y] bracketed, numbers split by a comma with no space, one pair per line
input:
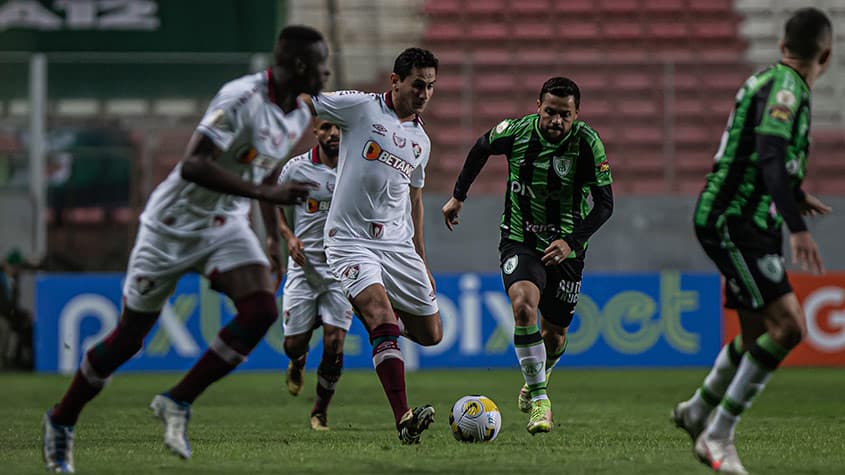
[309,218]
[255,136]
[379,158]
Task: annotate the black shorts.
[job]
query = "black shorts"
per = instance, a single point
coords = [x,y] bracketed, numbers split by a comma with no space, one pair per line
[560,285]
[751,261]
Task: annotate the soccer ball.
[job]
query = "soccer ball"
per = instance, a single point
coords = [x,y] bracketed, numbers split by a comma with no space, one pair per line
[475,419]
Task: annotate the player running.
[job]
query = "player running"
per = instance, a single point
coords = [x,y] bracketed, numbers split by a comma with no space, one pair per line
[374,232]
[196,220]
[555,161]
[754,188]
[312,295]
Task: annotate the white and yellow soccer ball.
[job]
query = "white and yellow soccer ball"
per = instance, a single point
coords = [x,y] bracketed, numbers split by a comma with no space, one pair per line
[475,419]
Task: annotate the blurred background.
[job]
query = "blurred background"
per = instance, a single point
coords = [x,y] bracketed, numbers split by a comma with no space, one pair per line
[98,100]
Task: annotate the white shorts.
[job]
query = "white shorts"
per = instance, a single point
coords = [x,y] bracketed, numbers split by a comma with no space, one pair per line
[400,271]
[158,260]
[305,306]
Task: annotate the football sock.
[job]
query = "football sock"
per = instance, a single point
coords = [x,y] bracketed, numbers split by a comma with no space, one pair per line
[299,363]
[711,392]
[552,359]
[390,366]
[531,353]
[755,370]
[99,363]
[256,313]
[328,374]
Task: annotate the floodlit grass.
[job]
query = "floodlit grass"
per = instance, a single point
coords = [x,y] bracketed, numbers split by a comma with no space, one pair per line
[612,422]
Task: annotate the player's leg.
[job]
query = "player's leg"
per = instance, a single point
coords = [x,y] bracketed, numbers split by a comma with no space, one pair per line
[557,308]
[336,314]
[762,290]
[413,298]
[691,415]
[360,271]
[146,289]
[299,318]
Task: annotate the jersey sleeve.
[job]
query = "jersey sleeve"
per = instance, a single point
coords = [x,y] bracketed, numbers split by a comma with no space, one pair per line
[224,119]
[287,172]
[339,107]
[781,107]
[593,148]
[501,136]
[418,175]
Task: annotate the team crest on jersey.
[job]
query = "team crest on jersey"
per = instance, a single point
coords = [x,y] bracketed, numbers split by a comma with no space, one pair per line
[562,165]
[399,140]
[417,149]
[771,267]
[144,285]
[785,97]
[510,264]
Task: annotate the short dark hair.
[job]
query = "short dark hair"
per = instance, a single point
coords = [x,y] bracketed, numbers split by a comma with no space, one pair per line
[292,42]
[413,58]
[561,87]
[804,32]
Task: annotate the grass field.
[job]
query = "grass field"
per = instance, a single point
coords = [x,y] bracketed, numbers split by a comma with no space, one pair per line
[613,422]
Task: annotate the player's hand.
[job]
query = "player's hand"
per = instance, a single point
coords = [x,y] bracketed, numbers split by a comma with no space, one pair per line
[813,206]
[277,265]
[805,253]
[295,248]
[450,212]
[556,252]
[289,192]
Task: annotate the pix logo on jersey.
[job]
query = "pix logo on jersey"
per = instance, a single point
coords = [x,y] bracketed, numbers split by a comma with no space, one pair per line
[374,152]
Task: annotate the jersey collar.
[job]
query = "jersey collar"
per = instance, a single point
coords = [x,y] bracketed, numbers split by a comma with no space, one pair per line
[388,101]
[315,156]
[804,81]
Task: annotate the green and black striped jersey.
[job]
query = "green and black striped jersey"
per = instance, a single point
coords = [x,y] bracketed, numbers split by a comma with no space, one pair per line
[774,102]
[548,183]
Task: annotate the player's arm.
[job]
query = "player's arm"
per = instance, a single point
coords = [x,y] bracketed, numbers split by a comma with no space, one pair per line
[200,166]
[771,154]
[474,163]
[294,244]
[270,217]
[418,218]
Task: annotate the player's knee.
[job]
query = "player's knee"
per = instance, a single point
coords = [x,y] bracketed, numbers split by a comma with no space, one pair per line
[333,342]
[296,345]
[122,343]
[789,333]
[433,336]
[523,312]
[256,314]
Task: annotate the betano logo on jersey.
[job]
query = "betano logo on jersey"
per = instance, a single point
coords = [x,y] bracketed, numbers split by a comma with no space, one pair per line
[313,206]
[373,151]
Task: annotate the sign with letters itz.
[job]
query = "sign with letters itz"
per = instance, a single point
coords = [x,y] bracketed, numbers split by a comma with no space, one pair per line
[637,320]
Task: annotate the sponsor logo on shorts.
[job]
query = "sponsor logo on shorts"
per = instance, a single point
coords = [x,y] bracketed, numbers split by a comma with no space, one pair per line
[374,152]
[332,232]
[510,265]
[376,230]
[771,266]
[568,291]
[144,285]
[351,272]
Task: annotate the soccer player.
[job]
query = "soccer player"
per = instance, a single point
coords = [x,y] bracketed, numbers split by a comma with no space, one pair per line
[555,162]
[196,220]
[754,187]
[312,295]
[374,231]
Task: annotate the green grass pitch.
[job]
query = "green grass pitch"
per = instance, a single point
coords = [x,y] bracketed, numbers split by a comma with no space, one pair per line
[606,422]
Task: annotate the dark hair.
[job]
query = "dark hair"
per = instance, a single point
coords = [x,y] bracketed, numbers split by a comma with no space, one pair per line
[561,87]
[804,32]
[292,42]
[413,58]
